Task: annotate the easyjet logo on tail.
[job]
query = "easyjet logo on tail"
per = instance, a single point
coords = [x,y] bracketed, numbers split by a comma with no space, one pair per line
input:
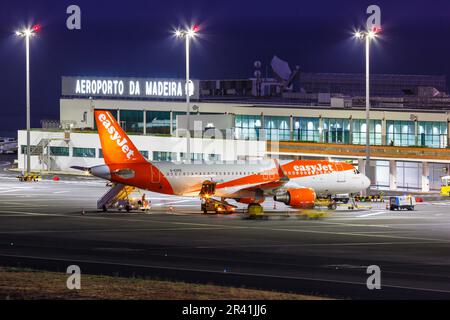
[115,136]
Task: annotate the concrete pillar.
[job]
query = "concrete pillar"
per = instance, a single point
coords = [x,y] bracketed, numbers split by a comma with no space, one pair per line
[262,134]
[416,132]
[291,128]
[362,166]
[392,175]
[350,134]
[321,136]
[145,122]
[448,133]
[171,122]
[383,132]
[425,177]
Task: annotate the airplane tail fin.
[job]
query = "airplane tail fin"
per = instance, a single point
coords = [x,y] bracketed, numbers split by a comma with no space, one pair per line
[116,145]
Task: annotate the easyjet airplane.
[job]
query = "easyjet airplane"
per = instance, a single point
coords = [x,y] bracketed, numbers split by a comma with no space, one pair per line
[296,183]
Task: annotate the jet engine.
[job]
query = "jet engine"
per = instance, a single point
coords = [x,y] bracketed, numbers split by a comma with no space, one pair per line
[297,198]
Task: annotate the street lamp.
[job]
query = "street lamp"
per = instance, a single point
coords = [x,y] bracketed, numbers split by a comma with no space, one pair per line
[368,36]
[187,34]
[27,34]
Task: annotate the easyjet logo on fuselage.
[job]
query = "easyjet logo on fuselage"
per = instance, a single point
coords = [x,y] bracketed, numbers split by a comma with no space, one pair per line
[115,136]
[314,169]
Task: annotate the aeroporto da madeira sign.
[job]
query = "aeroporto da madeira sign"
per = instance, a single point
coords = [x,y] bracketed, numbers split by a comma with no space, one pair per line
[128,87]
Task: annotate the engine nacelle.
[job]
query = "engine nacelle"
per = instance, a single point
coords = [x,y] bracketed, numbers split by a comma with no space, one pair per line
[297,198]
[248,197]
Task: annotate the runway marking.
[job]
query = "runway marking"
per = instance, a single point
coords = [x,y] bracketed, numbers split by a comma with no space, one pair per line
[371,214]
[202,270]
[7,191]
[349,244]
[28,213]
[108,230]
[172,202]
[355,234]
[64,191]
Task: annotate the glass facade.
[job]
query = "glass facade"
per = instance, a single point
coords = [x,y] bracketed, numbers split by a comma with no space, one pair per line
[306,129]
[409,175]
[197,157]
[277,128]
[247,127]
[336,130]
[132,121]
[23,149]
[144,153]
[83,152]
[59,151]
[432,134]
[164,156]
[157,122]
[400,133]
[359,132]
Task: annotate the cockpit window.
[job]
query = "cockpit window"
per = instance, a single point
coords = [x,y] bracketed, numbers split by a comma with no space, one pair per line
[356,171]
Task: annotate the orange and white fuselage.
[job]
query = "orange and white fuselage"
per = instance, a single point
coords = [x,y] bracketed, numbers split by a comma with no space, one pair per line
[301,180]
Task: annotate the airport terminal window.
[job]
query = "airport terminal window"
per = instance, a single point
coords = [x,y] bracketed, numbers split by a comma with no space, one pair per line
[277,128]
[247,127]
[336,130]
[132,121]
[23,149]
[163,156]
[400,133]
[59,151]
[214,157]
[83,152]
[157,122]
[198,157]
[144,153]
[359,132]
[306,129]
[433,134]
[174,118]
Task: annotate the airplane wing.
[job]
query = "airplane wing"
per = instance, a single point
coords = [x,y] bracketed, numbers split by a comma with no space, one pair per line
[268,186]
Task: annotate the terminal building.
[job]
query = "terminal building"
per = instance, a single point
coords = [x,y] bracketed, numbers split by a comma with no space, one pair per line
[314,116]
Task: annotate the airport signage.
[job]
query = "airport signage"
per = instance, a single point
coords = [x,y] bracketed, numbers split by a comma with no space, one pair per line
[114,87]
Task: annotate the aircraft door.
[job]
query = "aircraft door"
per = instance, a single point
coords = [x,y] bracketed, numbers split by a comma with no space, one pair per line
[340,174]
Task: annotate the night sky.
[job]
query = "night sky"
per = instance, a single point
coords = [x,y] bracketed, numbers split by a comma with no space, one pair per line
[133,38]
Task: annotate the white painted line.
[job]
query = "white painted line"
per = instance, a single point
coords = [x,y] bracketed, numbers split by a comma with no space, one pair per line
[371,214]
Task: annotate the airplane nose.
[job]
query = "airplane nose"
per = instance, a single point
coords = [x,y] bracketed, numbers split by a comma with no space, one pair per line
[366,182]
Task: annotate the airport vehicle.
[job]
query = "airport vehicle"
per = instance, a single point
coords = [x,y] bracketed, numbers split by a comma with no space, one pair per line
[402,203]
[342,198]
[296,183]
[8,145]
[32,176]
[445,187]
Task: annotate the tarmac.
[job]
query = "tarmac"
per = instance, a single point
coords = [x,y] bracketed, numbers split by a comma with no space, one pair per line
[53,224]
